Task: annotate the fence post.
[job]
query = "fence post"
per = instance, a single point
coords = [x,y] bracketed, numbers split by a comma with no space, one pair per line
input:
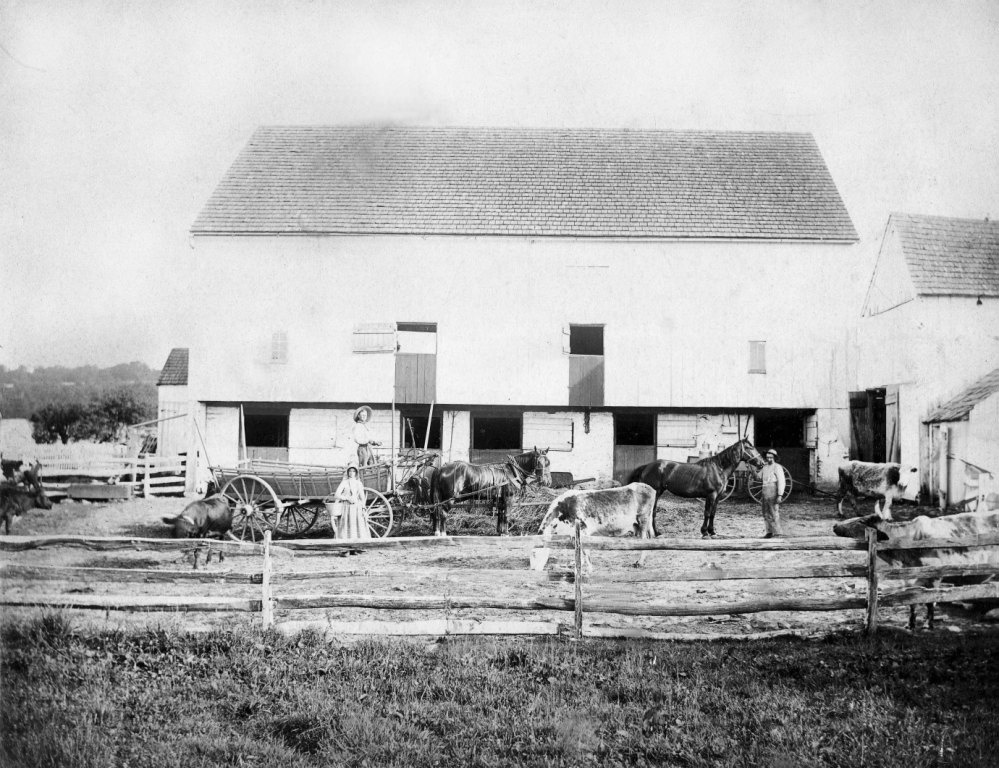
[578,581]
[145,477]
[872,582]
[266,604]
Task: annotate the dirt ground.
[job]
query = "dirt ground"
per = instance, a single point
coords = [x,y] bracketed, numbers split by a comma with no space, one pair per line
[498,570]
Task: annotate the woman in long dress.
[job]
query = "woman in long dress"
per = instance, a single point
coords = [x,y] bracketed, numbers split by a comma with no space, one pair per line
[350,498]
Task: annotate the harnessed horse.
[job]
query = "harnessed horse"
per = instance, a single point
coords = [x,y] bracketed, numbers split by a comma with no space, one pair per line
[459,481]
[701,479]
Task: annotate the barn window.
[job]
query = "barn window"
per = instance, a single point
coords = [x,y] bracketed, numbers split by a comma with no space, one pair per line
[757,357]
[496,433]
[417,338]
[279,347]
[266,430]
[586,339]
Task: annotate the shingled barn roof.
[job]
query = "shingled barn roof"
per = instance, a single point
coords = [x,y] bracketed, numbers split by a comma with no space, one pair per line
[960,406]
[528,182]
[945,256]
[174,373]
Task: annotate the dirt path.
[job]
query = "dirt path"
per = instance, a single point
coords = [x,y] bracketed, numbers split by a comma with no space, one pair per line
[488,571]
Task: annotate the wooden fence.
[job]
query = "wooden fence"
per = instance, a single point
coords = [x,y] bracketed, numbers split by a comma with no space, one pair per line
[141,475]
[278,591]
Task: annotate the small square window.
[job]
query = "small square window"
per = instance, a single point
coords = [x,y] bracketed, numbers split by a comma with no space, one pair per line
[757,357]
[586,340]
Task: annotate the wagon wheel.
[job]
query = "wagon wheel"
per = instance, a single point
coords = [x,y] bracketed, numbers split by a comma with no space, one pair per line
[298,517]
[379,513]
[255,506]
[754,486]
[729,487]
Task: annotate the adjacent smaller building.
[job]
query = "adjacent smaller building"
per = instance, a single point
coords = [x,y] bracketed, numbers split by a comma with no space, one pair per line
[963,435]
[174,405]
[929,327]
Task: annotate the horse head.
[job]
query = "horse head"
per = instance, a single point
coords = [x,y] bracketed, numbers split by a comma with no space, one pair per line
[750,454]
[542,467]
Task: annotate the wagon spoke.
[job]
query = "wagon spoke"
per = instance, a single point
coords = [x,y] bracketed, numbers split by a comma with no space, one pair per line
[254,504]
[379,513]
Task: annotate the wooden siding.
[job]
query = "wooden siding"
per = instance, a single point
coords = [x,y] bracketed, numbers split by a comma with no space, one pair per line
[415,378]
[586,380]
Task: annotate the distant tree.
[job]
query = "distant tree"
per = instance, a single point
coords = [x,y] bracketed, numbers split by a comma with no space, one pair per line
[59,421]
[114,410]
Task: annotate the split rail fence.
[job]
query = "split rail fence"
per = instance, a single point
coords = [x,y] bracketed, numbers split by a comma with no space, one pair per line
[278,590]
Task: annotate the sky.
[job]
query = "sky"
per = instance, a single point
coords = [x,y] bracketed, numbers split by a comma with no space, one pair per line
[117,119]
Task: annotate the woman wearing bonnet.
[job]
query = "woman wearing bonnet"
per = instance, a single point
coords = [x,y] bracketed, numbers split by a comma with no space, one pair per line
[349,499]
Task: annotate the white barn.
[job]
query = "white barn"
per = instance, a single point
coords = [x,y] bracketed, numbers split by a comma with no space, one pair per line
[615,295]
[929,329]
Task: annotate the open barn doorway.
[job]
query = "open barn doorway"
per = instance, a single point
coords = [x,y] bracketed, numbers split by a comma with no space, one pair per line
[634,442]
[874,425]
[784,430]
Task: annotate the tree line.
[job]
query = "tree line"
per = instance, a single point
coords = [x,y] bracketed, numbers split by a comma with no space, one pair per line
[84,403]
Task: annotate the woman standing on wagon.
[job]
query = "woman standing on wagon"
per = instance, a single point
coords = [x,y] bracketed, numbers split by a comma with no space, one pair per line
[350,497]
[362,436]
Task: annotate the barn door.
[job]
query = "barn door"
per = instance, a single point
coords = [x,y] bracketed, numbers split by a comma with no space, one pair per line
[861,431]
[893,441]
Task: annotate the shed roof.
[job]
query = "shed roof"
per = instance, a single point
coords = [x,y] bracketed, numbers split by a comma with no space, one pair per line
[948,256]
[175,370]
[528,182]
[960,406]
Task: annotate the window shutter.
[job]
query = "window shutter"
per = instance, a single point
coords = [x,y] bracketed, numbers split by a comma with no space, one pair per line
[811,431]
[676,430]
[548,430]
[374,337]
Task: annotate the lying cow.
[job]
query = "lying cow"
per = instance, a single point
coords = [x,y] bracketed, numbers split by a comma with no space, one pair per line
[861,479]
[202,518]
[959,526]
[608,512]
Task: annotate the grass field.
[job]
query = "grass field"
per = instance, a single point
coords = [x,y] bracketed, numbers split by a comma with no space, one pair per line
[159,698]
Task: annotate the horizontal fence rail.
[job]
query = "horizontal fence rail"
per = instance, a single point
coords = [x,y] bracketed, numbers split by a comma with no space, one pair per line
[148,475]
[604,594]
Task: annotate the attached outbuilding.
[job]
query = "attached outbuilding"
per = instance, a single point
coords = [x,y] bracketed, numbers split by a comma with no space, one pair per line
[963,435]
[928,330]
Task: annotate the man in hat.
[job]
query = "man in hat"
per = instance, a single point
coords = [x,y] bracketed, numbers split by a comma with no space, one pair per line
[772,477]
[362,436]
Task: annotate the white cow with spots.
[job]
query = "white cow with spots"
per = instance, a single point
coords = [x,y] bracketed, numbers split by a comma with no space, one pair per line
[859,479]
[625,511]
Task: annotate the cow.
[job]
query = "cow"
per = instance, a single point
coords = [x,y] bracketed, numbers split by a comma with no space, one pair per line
[962,525]
[15,501]
[200,519]
[859,479]
[623,511]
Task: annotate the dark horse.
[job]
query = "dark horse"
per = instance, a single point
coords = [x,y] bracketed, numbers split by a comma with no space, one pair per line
[700,479]
[459,481]
[16,499]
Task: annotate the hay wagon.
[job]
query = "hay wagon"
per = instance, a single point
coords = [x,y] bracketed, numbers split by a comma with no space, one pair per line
[287,499]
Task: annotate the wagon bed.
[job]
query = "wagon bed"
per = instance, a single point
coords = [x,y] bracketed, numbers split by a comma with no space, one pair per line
[288,499]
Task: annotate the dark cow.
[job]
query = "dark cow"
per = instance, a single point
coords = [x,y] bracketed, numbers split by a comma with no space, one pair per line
[607,512]
[202,518]
[864,479]
[961,526]
[16,500]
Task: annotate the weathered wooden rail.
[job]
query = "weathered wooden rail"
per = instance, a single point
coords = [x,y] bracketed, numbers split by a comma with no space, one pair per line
[593,593]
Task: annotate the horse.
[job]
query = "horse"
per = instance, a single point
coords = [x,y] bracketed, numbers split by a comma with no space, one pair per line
[16,499]
[700,479]
[458,481]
